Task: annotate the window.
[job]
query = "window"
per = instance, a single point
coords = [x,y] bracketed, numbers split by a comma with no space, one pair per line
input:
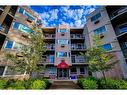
[123,28]
[51,58]
[82,70]
[9,44]
[107,47]
[73,70]
[63,41]
[95,17]
[22,11]
[100,30]
[63,30]
[22,27]
[62,54]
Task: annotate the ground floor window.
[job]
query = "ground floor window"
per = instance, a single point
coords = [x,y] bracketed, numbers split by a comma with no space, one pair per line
[2,70]
[73,70]
[82,70]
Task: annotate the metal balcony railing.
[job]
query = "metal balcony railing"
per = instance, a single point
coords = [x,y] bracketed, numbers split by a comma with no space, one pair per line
[2,7]
[78,59]
[49,36]
[124,52]
[77,36]
[77,46]
[48,59]
[118,12]
[4,29]
[50,46]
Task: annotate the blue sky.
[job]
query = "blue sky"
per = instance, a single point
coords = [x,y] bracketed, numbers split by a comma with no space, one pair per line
[74,16]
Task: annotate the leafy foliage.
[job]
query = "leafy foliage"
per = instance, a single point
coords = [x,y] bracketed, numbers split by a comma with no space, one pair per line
[89,84]
[2,84]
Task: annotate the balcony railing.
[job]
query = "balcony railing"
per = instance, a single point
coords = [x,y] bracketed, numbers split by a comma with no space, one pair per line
[77,46]
[48,59]
[49,36]
[2,7]
[118,12]
[4,29]
[12,12]
[50,46]
[125,53]
[77,36]
[78,59]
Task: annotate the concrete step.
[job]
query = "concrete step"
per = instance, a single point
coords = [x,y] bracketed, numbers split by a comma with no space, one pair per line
[64,85]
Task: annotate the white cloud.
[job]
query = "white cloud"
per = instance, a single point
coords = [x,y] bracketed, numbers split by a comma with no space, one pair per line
[78,23]
[54,14]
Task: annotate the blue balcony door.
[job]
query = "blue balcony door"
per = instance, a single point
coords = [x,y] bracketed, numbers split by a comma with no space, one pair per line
[62,73]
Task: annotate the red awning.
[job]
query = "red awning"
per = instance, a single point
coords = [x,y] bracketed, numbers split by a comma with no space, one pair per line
[63,65]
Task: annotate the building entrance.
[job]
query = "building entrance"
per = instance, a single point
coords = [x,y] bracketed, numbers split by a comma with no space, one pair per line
[62,73]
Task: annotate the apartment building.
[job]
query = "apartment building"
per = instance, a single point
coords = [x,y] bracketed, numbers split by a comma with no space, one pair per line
[102,23]
[62,58]
[15,23]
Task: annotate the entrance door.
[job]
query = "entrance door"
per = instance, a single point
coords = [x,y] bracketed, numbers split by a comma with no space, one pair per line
[62,73]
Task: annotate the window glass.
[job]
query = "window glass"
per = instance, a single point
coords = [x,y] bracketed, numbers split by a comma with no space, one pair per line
[123,28]
[29,16]
[16,25]
[63,30]
[22,27]
[17,46]
[100,30]
[62,54]
[21,10]
[82,69]
[107,47]
[63,41]
[51,58]
[95,17]
[9,44]
[74,70]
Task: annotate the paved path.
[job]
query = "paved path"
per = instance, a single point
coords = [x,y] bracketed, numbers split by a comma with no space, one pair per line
[64,85]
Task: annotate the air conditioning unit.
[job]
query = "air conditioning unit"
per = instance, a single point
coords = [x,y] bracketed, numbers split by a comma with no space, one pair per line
[29,20]
[62,45]
[96,22]
[101,35]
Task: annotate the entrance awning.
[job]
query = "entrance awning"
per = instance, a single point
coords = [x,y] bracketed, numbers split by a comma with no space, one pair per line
[63,65]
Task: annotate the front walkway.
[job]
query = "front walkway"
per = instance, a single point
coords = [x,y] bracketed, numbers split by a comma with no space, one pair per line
[64,84]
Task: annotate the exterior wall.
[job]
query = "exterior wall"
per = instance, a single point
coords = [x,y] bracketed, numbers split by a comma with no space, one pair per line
[109,37]
[15,34]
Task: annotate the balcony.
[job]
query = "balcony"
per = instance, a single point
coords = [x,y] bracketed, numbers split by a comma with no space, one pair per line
[124,52]
[4,29]
[49,36]
[2,8]
[77,36]
[78,59]
[118,12]
[48,59]
[78,46]
[12,12]
[50,46]
[122,29]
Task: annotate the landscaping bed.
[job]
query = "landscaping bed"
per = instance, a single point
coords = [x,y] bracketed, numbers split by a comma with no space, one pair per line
[13,84]
[93,83]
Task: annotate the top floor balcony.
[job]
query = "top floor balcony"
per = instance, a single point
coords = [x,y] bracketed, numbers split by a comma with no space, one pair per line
[118,12]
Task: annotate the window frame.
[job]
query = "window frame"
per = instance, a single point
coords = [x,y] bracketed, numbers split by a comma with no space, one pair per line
[95,17]
[62,52]
[108,49]
[100,32]
[63,29]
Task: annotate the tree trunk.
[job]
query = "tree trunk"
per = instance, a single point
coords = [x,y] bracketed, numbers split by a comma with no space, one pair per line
[103,73]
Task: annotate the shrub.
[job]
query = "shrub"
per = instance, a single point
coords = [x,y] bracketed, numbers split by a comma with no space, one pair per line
[91,78]
[2,84]
[38,84]
[89,84]
[47,83]
[17,85]
[80,82]
[109,84]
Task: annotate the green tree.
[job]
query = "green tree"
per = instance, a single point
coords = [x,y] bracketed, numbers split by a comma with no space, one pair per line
[28,57]
[98,59]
